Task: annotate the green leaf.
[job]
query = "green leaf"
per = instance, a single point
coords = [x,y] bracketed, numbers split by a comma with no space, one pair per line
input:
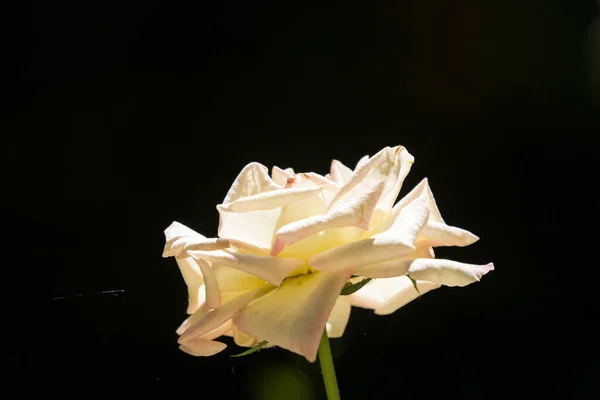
[254,349]
[353,287]
[414,282]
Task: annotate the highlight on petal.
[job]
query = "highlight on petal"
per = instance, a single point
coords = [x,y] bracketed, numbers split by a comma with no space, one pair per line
[361,162]
[202,347]
[253,179]
[355,213]
[269,200]
[395,267]
[190,271]
[340,314]
[294,315]
[339,173]
[387,295]
[218,316]
[180,239]
[196,297]
[390,165]
[272,269]
[447,272]
[396,242]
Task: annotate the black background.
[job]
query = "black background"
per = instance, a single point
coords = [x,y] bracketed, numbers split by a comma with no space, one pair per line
[118,118]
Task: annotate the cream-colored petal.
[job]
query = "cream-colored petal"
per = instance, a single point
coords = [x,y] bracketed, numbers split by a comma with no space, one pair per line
[180,239]
[294,315]
[447,272]
[256,228]
[387,295]
[339,173]
[202,347]
[340,314]
[440,234]
[390,165]
[269,200]
[272,269]
[218,316]
[242,339]
[253,179]
[196,316]
[211,286]
[218,331]
[396,242]
[361,162]
[196,297]
[321,181]
[355,213]
[280,176]
[190,271]
[396,267]
[234,280]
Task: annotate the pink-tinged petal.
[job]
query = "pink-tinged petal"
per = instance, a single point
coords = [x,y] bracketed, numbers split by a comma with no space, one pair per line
[180,239]
[272,269]
[253,179]
[355,213]
[269,200]
[396,242]
[280,176]
[447,272]
[219,316]
[234,280]
[340,314]
[211,286]
[396,267]
[295,314]
[440,234]
[339,173]
[387,295]
[255,228]
[202,347]
[218,331]
[190,271]
[196,316]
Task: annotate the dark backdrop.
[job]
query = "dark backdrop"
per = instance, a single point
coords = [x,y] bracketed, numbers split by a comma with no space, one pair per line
[118,118]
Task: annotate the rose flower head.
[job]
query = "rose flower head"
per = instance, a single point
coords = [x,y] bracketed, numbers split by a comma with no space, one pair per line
[290,244]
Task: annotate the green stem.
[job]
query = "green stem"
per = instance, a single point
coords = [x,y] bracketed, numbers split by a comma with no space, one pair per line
[331,386]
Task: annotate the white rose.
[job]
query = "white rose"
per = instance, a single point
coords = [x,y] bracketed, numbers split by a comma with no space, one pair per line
[289,243]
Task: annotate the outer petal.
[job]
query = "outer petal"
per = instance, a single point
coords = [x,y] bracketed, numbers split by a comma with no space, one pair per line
[340,314]
[180,238]
[190,271]
[256,228]
[211,286]
[440,234]
[269,200]
[202,347]
[295,314]
[390,165]
[339,173]
[272,269]
[396,242]
[280,176]
[196,297]
[253,179]
[361,162]
[219,316]
[447,272]
[355,213]
[387,295]
[391,268]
